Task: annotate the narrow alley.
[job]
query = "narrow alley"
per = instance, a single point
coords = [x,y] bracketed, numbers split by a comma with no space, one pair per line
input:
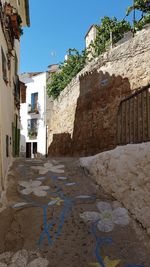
[57,216]
[74,133]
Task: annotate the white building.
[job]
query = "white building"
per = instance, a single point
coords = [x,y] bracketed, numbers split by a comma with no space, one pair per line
[11,14]
[90,35]
[90,38]
[33,142]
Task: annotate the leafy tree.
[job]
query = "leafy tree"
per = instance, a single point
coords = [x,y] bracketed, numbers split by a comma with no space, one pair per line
[144,7]
[76,61]
[108,25]
[67,71]
[141,5]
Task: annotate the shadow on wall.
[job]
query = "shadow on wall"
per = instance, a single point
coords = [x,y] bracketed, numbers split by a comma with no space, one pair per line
[22,146]
[61,145]
[95,123]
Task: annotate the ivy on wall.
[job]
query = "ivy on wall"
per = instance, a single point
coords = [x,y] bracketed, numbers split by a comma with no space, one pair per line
[107,26]
[67,71]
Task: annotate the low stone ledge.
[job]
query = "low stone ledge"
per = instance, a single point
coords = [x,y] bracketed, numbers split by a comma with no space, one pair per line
[125,174]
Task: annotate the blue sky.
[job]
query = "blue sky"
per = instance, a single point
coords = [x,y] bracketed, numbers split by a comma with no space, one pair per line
[61,24]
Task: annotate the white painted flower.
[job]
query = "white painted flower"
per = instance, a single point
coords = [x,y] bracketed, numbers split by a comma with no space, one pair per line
[70,184]
[49,167]
[107,217]
[22,258]
[41,262]
[20,204]
[34,187]
[62,178]
[41,178]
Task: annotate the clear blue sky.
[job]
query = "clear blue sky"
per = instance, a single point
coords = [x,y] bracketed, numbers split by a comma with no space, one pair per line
[57,25]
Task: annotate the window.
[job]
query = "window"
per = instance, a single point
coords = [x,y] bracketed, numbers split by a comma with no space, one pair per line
[22,93]
[34,102]
[32,128]
[7,146]
[17,91]
[4,66]
[16,64]
[32,124]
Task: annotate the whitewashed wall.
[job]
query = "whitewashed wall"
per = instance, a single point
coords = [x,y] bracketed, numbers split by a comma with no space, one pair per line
[91,35]
[36,84]
[7,107]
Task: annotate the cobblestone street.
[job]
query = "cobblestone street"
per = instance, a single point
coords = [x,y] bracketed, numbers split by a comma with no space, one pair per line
[57,216]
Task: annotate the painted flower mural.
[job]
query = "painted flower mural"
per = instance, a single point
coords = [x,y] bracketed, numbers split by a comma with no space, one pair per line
[49,167]
[107,217]
[59,197]
[34,187]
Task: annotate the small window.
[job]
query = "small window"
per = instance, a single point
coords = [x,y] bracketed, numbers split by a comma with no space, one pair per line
[16,64]
[7,146]
[34,102]
[33,128]
[32,124]
[22,93]
[4,66]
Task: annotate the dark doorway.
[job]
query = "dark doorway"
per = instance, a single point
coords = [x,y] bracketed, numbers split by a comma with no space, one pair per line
[28,150]
[35,149]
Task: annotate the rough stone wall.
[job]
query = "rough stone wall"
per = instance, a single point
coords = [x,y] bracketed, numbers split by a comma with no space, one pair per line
[62,120]
[124,173]
[84,116]
[96,111]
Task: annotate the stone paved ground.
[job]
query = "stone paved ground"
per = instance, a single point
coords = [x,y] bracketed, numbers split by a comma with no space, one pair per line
[46,222]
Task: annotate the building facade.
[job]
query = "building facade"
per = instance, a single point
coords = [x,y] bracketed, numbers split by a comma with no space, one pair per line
[13,15]
[90,38]
[90,35]
[33,132]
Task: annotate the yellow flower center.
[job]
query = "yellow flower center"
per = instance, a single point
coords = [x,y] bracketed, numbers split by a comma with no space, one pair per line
[107,215]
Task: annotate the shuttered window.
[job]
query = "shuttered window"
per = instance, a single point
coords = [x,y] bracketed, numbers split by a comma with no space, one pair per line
[4,66]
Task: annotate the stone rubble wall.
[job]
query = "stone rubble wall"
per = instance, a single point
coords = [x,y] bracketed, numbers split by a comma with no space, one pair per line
[83,119]
[125,174]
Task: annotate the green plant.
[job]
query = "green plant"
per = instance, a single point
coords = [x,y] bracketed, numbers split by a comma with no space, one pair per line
[76,61]
[144,7]
[32,134]
[107,26]
[141,5]
[19,21]
[67,71]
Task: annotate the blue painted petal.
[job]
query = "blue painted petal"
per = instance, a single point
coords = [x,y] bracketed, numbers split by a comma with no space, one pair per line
[83,197]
